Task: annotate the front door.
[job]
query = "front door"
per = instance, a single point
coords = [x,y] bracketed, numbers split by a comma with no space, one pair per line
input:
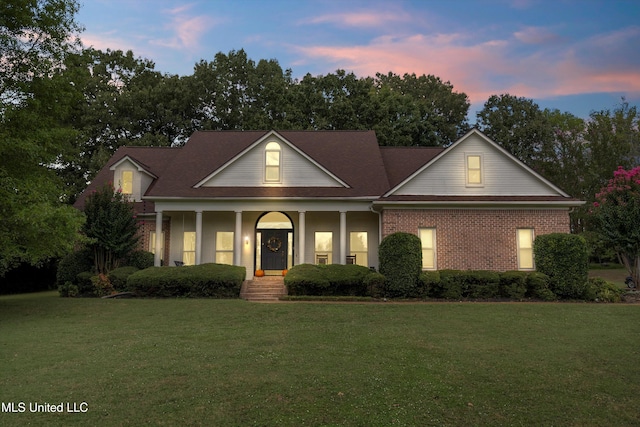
[274,249]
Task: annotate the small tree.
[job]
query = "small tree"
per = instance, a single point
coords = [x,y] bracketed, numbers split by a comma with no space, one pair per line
[111,227]
[617,214]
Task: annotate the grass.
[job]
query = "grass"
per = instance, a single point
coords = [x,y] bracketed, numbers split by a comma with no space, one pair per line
[234,363]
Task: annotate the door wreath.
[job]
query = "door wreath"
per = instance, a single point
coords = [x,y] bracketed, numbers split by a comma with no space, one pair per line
[274,244]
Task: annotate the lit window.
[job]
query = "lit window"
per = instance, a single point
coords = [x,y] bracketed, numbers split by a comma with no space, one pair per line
[324,247]
[272,162]
[358,247]
[152,243]
[525,249]
[474,169]
[189,248]
[428,240]
[127,182]
[224,247]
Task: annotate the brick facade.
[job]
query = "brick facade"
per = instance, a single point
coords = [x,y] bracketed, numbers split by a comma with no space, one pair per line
[476,239]
[146,227]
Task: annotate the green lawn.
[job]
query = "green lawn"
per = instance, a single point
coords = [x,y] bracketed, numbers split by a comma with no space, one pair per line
[234,363]
[614,275]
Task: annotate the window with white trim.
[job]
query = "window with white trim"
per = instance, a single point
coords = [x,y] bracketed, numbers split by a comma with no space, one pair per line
[224,247]
[189,248]
[474,170]
[324,247]
[152,243]
[428,241]
[272,158]
[126,183]
[358,247]
[525,248]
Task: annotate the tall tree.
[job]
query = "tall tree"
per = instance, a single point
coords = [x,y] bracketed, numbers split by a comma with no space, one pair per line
[518,125]
[35,36]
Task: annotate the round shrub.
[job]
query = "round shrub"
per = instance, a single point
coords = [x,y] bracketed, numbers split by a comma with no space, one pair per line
[139,259]
[400,257]
[119,276]
[538,287]
[602,291]
[374,283]
[565,259]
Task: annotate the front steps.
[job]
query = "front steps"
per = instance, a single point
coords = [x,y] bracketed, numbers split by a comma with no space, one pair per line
[268,288]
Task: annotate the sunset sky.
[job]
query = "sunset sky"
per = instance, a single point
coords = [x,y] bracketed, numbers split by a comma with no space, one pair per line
[574,55]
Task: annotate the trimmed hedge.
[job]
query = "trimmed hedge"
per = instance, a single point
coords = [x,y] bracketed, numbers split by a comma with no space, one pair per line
[139,259]
[118,277]
[198,281]
[400,257]
[332,280]
[467,284]
[565,259]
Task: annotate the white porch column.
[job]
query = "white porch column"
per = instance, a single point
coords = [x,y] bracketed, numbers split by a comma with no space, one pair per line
[301,236]
[343,237]
[198,237]
[157,259]
[237,240]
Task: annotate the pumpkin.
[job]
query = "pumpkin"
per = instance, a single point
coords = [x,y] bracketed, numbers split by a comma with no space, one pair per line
[259,273]
[284,272]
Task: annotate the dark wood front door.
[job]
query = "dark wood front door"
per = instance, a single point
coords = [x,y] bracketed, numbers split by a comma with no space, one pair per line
[274,249]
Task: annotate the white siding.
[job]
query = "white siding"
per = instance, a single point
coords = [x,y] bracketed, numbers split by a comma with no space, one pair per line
[502,176]
[248,170]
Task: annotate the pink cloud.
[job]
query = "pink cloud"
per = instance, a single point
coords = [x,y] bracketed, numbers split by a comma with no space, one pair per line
[360,19]
[536,35]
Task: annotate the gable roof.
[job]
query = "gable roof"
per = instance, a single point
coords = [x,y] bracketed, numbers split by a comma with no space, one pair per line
[475,132]
[354,158]
[335,151]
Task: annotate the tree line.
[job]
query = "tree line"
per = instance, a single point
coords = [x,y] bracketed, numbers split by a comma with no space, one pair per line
[65,109]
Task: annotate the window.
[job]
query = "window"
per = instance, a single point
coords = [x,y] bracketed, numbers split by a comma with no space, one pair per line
[189,248]
[358,247]
[324,247]
[152,243]
[272,162]
[224,247]
[525,249]
[127,182]
[474,170]
[428,239]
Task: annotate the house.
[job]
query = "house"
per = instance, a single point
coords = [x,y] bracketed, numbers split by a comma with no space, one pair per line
[268,200]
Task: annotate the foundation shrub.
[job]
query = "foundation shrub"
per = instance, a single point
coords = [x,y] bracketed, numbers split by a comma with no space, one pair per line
[326,280]
[400,257]
[84,284]
[199,281]
[374,283]
[565,259]
[513,284]
[139,259]
[428,284]
[119,276]
[538,287]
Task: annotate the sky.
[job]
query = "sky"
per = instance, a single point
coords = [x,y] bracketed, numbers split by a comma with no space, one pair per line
[577,56]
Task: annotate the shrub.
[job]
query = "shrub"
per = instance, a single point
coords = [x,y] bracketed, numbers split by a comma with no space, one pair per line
[325,280]
[458,284]
[400,257]
[538,287]
[139,259]
[428,284]
[72,264]
[84,284]
[205,280]
[101,285]
[374,282]
[68,290]
[602,291]
[564,258]
[119,276]
[513,284]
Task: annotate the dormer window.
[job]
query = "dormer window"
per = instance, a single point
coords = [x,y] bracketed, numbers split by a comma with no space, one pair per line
[272,162]
[474,170]
[126,184]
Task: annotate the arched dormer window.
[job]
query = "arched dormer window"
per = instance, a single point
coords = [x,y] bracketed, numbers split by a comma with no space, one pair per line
[272,162]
